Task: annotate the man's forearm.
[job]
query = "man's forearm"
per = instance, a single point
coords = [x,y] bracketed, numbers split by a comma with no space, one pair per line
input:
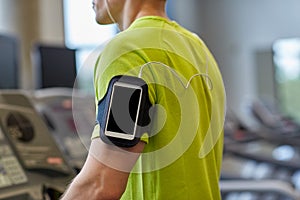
[105,172]
[90,189]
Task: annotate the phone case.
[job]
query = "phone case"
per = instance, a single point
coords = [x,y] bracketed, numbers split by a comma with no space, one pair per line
[143,120]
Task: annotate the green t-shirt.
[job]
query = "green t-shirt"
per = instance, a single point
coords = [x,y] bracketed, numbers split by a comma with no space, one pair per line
[182,157]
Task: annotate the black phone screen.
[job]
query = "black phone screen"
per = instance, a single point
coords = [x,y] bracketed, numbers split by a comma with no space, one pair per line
[124,109]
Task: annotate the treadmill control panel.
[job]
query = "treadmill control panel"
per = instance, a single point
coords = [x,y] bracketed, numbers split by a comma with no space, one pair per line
[11,171]
[32,167]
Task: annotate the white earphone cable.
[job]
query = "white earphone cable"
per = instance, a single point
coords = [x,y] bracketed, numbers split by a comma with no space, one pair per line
[110,15]
[209,81]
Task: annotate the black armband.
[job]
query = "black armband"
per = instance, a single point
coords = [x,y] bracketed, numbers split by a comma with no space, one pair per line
[123,113]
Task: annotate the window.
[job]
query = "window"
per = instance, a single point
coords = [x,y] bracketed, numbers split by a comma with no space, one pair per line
[84,34]
[287,75]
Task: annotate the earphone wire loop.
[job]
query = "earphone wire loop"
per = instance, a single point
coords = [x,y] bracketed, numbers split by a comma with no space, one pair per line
[207,77]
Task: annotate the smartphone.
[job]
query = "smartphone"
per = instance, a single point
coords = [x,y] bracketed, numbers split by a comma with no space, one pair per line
[123,111]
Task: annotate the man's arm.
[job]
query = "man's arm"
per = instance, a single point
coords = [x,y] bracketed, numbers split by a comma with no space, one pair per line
[105,172]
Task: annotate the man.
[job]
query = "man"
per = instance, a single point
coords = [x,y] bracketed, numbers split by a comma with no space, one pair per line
[180,157]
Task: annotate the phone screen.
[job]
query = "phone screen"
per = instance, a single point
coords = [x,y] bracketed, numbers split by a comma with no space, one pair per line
[123,112]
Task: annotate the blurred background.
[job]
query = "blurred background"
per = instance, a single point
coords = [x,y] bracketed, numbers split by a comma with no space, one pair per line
[256,44]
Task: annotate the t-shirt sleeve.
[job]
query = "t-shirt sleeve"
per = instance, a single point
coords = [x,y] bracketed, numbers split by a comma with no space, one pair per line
[109,66]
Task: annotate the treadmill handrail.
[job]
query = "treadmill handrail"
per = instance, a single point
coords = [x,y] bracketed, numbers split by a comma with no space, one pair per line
[277,186]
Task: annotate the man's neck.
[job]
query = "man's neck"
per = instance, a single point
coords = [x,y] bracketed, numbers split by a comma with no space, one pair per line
[133,12]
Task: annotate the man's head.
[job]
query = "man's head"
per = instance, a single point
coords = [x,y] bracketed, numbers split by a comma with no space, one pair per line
[104,8]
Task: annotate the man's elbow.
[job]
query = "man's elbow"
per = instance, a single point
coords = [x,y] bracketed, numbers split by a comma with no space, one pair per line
[93,189]
[109,193]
